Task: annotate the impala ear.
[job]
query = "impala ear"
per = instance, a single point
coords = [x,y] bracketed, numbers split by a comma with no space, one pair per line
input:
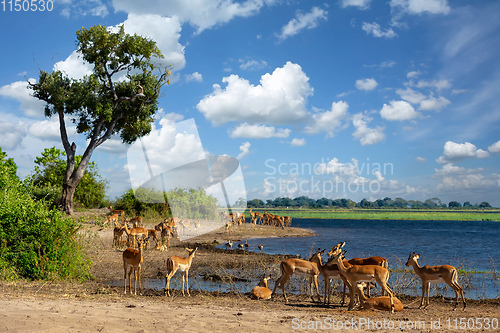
[343,243]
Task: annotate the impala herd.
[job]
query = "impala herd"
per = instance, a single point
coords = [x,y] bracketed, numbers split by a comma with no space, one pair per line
[356,273]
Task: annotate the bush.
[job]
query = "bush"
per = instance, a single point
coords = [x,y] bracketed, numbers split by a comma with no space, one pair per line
[186,203]
[36,243]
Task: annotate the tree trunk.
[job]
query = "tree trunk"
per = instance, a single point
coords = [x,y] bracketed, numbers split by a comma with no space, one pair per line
[67,198]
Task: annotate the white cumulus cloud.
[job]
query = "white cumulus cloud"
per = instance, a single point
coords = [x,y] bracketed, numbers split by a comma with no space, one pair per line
[244,150]
[280,98]
[19,90]
[246,130]
[494,148]
[454,152]
[201,14]
[298,142]
[328,121]
[398,111]
[366,84]
[365,134]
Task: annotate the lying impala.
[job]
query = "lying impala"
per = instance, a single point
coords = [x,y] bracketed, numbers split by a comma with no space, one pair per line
[261,291]
[298,267]
[379,303]
[436,274]
[175,263]
[132,259]
[361,273]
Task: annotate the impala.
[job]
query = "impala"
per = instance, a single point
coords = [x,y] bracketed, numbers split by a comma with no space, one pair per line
[132,259]
[261,291]
[329,272]
[117,235]
[379,303]
[119,212]
[134,233]
[136,222]
[175,263]
[376,260]
[361,273]
[436,274]
[112,218]
[298,267]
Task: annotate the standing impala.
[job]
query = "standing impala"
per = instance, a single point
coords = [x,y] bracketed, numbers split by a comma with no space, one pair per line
[298,267]
[329,272]
[361,273]
[175,263]
[132,259]
[436,274]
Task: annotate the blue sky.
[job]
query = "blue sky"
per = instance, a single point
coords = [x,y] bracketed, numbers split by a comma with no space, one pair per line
[349,98]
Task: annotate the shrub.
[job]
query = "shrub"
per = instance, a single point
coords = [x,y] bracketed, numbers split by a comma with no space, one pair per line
[36,243]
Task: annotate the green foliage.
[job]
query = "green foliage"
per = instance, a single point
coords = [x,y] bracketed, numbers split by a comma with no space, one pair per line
[35,242]
[185,203]
[49,175]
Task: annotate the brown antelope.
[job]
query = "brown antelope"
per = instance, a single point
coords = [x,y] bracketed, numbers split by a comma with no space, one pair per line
[153,233]
[132,259]
[287,221]
[134,233]
[278,221]
[119,212]
[175,263]
[436,274]
[117,236]
[298,267]
[379,303]
[135,222]
[261,291]
[112,218]
[375,260]
[329,272]
[258,216]
[361,273]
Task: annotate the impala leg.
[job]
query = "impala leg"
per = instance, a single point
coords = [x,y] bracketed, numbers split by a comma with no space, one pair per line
[428,290]
[187,283]
[317,289]
[183,281]
[125,277]
[139,274]
[423,295]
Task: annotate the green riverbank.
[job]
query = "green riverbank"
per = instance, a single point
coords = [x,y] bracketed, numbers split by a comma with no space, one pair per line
[372,214]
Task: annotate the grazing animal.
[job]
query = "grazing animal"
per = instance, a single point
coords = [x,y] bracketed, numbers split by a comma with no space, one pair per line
[261,291]
[261,247]
[229,244]
[436,274]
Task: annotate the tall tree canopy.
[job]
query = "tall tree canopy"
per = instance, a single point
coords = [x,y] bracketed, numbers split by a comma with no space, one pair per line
[120,96]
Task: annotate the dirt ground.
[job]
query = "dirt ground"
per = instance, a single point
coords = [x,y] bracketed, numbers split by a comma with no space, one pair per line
[98,306]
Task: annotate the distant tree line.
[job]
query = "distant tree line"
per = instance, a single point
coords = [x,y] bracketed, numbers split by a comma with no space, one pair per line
[303,201]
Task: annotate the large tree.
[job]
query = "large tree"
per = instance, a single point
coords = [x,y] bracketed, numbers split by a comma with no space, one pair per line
[119,97]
